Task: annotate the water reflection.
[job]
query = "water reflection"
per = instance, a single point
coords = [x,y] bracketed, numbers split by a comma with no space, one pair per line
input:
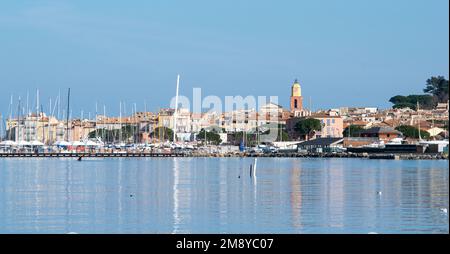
[217,195]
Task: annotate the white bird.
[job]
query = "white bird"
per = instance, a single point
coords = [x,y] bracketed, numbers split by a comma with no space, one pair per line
[379,192]
[444,210]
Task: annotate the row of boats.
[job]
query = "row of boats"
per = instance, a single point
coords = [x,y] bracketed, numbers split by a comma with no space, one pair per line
[90,144]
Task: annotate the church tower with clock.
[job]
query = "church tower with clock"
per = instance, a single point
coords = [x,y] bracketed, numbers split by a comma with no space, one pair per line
[296,97]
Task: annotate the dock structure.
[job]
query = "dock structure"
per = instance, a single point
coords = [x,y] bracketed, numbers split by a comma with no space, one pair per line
[92,155]
[393,156]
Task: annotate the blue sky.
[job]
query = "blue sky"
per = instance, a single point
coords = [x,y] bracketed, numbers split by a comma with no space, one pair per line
[345,53]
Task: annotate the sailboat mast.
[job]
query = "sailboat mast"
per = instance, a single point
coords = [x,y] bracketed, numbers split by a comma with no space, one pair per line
[37,101]
[418,121]
[96,113]
[10,117]
[176,109]
[67,116]
[104,133]
[136,133]
[28,110]
[1,127]
[131,126]
[120,123]
[48,126]
[43,129]
[145,119]
[59,103]
[18,120]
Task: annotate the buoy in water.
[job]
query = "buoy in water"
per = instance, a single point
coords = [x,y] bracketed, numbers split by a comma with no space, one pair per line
[379,193]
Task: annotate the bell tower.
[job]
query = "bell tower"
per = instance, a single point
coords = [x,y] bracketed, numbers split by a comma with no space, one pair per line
[296,97]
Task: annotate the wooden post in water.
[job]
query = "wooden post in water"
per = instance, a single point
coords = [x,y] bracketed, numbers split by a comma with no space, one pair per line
[254,167]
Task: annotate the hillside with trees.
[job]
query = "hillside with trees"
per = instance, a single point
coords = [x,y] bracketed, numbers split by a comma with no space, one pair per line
[437,89]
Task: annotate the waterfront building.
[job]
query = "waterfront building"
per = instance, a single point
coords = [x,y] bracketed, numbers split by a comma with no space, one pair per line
[320,145]
[384,134]
[33,127]
[147,122]
[271,109]
[79,129]
[361,124]
[183,118]
[442,106]
[198,122]
[332,125]
[360,111]
[359,141]
[434,131]
[165,117]
[109,123]
[238,120]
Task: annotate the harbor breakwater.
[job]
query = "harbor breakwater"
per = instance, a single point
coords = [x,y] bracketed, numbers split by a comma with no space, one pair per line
[398,156]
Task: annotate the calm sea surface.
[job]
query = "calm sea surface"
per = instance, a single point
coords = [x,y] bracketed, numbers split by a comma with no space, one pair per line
[206,195]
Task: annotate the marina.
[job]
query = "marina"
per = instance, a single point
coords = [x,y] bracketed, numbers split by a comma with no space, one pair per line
[253,118]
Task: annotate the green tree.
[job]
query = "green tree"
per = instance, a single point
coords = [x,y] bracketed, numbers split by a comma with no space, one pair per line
[10,134]
[283,137]
[236,138]
[211,137]
[412,132]
[438,87]
[405,105]
[111,136]
[267,131]
[398,99]
[306,126]
[164,133]
[352,131]
[282,134]
[410,101]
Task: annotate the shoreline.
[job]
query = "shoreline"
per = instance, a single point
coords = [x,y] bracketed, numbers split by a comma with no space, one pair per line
[389,156]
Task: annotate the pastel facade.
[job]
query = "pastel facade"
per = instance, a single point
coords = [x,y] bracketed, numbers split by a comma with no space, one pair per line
[332,126]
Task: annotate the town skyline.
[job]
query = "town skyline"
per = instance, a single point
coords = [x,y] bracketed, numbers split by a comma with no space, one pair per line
[363,52]
[144,106]
[261,116]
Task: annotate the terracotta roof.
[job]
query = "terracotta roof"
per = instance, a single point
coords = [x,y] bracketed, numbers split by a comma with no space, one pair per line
[359,123]
[324,116]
